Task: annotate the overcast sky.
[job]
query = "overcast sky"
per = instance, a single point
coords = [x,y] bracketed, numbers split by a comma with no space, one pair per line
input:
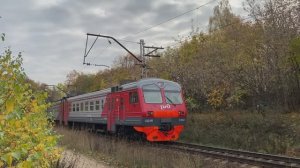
[51,34]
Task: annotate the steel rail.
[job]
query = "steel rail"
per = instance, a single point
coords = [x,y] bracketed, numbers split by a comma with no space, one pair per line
[251,158]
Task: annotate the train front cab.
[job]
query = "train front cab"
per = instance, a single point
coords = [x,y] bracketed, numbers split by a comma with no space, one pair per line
[164,111]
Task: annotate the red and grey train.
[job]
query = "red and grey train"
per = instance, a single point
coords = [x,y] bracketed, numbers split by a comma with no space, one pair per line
[153,107]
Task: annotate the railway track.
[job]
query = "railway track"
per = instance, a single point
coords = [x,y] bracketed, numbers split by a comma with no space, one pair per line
[251,158]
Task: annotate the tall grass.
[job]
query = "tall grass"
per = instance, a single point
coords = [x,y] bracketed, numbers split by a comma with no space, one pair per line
[122,153]
[270,132]
[67,160]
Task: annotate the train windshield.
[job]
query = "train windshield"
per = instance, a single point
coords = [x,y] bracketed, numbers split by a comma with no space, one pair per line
[173,94]
[152,94]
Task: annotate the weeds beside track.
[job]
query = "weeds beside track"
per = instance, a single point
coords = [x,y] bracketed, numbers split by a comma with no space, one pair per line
[252,158]
[149,154]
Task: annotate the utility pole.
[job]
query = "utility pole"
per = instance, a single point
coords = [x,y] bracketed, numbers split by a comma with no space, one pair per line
[141,60]
[143,64]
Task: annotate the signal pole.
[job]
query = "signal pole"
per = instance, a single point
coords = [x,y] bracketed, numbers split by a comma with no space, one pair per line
[143,64]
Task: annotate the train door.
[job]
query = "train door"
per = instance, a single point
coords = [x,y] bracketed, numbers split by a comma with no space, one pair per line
[61,112]
[113,112]
[109,112]
[122,107]
[117,107]
[133,104]
[66,110]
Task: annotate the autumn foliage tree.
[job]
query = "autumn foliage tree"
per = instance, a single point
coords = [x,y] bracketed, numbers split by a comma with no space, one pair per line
[26,136]
[241,63]
[237,63]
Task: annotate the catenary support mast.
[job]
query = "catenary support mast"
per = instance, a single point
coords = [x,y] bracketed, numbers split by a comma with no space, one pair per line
[141,60]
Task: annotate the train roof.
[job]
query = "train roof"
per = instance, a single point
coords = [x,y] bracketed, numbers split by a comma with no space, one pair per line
[146,81]
[132,85]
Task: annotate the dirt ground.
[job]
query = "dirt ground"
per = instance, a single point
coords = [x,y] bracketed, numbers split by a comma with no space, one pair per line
[77,160]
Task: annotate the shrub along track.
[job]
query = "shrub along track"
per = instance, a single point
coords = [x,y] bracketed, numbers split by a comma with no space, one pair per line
[251,158]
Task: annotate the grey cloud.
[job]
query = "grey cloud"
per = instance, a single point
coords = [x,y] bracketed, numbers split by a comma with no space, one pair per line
[53,37]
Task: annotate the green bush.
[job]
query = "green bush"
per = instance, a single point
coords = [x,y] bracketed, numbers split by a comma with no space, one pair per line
[26,136]
[270,133]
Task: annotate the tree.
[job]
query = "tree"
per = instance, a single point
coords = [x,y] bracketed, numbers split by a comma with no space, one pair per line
[26,136]
[238,63]
[279,20]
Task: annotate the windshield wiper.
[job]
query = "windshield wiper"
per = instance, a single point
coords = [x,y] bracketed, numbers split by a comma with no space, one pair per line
[171,101]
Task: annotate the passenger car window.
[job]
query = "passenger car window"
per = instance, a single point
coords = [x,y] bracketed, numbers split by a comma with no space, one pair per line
[91,106]
[77,107]
[74,108]
[97,105]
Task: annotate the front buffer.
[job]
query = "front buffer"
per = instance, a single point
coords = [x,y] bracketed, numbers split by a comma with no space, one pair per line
[154,133]
[162,126]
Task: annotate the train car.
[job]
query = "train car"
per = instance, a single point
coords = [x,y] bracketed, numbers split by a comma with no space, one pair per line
[153,107]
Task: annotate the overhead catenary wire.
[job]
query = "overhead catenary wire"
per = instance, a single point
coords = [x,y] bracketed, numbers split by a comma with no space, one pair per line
[220,28]
[94,42]
[170,19]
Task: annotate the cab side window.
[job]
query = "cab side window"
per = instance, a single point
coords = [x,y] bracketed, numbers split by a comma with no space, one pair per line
[133,97]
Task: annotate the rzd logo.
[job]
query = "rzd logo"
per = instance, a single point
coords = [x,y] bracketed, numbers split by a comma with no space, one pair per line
[162,107]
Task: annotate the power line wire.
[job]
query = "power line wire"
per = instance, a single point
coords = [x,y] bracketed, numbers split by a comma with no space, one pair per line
[220,28]
[170,19]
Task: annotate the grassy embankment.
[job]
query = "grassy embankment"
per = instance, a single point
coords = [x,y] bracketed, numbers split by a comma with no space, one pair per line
[270,133]
[122,153]
[276,133]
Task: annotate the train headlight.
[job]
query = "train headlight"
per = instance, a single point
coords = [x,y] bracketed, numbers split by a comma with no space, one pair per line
[181,113]
[150,114]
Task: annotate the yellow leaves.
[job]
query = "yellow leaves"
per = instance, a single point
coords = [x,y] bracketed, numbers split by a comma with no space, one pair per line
[8,159]
[17,124]
[39,147]
[9,105]
[25,164]
[25,132]
[50,139]
[216,97]
[34,105]
[2,120]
